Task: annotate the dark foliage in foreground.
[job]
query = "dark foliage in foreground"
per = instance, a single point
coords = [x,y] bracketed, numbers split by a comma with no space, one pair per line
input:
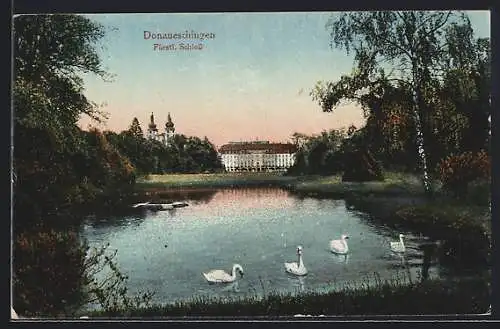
[58,168]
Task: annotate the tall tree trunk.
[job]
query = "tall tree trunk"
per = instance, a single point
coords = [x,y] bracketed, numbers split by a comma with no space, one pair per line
[418,127]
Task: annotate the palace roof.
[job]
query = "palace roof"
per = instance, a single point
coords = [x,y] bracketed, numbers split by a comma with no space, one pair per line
[260,147]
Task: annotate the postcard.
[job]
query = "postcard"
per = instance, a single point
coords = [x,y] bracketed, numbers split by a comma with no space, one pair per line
[270,164]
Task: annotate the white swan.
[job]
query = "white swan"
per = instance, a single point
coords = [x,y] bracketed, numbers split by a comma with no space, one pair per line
[220,276]
[398,246]
[296,268]
[340,246]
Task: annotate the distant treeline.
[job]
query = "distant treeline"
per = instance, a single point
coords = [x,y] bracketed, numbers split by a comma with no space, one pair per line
[182,155]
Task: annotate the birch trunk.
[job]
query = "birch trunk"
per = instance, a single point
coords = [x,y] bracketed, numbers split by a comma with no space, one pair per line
[420,136]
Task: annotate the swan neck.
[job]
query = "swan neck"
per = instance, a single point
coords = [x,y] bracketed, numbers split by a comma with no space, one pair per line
[301,264]
[401,240]
[233,274]
[345,244]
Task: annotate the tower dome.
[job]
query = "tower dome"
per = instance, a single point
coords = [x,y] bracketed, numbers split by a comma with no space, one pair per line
[152,125]
[169,126]
[169,130]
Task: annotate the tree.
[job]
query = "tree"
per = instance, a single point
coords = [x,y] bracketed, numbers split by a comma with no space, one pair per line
[57,165]
[319,154]
[359,164]
[316,156]
[467,86]
[299,139]
[135,129]
[413,44]
[50,54]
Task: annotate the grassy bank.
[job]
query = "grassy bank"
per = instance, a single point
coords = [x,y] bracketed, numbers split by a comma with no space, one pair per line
[429,297]
[394,183]
[214,180]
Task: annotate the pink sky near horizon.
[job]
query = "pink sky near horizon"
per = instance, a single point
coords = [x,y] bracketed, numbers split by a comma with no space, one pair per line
[251,82]
[275,126]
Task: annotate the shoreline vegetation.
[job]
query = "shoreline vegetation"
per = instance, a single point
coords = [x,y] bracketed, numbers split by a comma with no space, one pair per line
[394,183]
[469,296]
[308,185]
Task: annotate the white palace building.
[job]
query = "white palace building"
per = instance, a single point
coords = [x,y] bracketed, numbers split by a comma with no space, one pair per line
[257,156]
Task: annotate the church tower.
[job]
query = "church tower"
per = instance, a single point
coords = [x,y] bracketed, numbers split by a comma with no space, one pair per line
[152,130]
[169,130]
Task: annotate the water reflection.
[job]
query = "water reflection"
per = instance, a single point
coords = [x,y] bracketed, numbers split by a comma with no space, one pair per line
[117,221]
[406,266]
[429,251]
[193,195]
[421,257]
[249,199]
[297,283]
[397,261]
[283,239]
[231,287]
[340,259]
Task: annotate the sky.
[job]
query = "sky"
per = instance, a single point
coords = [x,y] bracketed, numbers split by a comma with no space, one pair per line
[250,81]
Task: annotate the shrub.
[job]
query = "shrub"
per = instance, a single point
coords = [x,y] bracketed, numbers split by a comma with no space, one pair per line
[47,272]
[361,166]
[109,291]
[457,171]
[56,274]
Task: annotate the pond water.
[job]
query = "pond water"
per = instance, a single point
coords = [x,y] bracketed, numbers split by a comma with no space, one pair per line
[260,229]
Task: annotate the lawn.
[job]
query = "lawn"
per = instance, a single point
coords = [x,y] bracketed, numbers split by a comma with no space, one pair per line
[332,186]
[394,183]
[214,180]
